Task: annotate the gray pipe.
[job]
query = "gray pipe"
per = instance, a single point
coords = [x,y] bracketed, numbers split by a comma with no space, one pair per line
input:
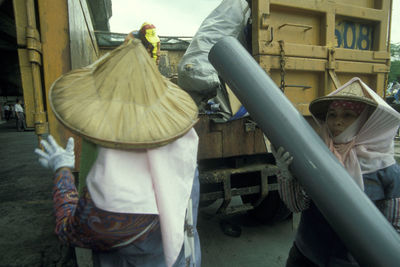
[365,231]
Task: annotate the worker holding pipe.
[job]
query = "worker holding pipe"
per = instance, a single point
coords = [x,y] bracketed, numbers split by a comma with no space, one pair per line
[359,127]
[140,194]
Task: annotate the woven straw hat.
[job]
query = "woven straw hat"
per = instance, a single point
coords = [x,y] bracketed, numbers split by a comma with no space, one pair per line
[122,101]
[351,91]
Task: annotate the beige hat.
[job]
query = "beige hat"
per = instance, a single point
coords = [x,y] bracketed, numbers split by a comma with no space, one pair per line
[351,91]
[122,101]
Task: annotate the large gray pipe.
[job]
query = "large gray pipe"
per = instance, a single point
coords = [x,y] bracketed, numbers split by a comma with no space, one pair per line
[361,226]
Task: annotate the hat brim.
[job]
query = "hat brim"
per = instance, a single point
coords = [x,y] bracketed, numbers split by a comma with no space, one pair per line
[124,145]
[319,106]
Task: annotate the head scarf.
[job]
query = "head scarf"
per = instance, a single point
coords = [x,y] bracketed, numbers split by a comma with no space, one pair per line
[357,107]
[150,39]
[367,145]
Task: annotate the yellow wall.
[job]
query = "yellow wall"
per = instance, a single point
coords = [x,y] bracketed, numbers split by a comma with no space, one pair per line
[314,46]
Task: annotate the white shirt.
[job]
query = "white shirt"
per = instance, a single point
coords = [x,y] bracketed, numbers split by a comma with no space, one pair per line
[18,108]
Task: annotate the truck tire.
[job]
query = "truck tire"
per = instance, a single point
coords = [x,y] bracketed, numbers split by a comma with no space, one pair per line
[271,209]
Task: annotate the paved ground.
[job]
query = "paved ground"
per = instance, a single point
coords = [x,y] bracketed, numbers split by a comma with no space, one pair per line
[26,218]
[258,245]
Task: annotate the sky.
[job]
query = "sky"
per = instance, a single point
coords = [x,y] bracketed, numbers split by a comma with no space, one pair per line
[183,17]
[395,31]
[171,17]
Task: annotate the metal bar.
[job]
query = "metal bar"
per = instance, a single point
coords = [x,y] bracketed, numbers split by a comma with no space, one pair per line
[34,48]
[264,188]
[218,175]
[256,189]
[361,226]
[306,27]
[234,192]
[334,78]
[300,86]
[236,209]
[227,194]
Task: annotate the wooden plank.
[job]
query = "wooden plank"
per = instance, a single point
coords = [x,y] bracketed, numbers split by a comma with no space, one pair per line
[321,52]
[259,144]
[83,46]
[361,13]
[292,63]
[260,16]
[210,143]
[236,141]
[20,21]
[318,6]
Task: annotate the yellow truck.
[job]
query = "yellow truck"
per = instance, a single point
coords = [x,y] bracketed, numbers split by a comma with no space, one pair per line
[307,47]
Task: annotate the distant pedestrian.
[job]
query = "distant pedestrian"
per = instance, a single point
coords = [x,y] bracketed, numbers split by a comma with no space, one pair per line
[359,128]
[19,114]
[7,111]
[12,112]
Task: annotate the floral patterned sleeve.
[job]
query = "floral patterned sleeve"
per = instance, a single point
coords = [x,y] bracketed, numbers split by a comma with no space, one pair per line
[292,194]
[80,223]
[390,208]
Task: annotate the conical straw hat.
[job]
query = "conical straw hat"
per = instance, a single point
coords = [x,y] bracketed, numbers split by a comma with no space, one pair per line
[351,91]
[122,101]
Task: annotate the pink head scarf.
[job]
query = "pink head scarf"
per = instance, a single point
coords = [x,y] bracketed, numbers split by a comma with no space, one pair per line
[357,107]
[367,145]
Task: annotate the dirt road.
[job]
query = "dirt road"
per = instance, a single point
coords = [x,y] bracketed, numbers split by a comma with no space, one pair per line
[26,217]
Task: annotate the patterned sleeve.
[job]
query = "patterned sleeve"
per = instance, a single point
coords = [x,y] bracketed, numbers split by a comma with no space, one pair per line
[292,194]
[80,223]
[391,210]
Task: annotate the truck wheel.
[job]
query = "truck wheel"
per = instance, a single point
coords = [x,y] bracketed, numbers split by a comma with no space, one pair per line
[271,209]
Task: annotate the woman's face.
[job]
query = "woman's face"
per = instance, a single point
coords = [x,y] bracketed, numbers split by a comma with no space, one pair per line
[339,118]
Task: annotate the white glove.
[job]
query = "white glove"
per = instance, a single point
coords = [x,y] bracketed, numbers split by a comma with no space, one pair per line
[283,160]
[54,156]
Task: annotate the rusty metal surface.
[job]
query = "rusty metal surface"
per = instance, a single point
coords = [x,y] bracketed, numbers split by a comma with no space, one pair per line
[223,176]
[217,176]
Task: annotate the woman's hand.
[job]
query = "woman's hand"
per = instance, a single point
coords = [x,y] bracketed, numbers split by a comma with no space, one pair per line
[283,159]
[55,157]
